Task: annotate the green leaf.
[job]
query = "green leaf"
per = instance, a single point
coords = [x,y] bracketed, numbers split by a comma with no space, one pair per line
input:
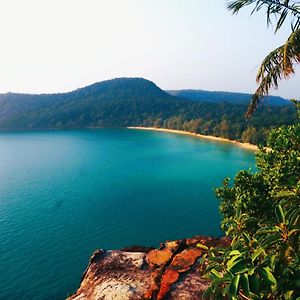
[234,252]
[203,259]
[272,261]
[284,194]
[231,261]
[266,229]
[269,241]
[268,276]
[218,281]
[216,273]
[204,247]
[212,264]
[246,238]
[288,295]
[254,283]
[245,284]
[293,217]
[239,268]
[279,214]
[234,285]
[256,253]
[251,270]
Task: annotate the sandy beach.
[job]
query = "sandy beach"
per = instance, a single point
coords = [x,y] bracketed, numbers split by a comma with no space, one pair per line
[208,137]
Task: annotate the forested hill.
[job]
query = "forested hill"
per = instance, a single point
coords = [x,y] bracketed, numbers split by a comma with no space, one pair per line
[136,102]
[217,97]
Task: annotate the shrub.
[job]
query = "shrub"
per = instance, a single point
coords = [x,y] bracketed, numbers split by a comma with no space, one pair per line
[261,214]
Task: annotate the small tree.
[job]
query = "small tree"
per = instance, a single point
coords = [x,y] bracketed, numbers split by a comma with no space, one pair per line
[249,135]
[261,214]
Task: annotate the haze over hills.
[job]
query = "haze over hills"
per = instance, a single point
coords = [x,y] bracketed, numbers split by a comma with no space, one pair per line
[231,97]
[126,102]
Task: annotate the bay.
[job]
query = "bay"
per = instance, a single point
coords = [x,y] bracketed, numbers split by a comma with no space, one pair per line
[64,194]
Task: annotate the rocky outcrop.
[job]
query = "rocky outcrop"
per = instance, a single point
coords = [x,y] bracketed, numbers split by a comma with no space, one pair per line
[170,272]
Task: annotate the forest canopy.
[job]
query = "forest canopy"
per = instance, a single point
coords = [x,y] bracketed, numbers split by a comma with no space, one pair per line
[127,102]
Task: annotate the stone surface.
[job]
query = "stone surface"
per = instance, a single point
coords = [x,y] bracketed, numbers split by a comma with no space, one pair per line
[159,257]
[170,272]
[185,259]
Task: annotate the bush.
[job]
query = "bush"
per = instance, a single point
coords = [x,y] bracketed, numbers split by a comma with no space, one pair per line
[261,214]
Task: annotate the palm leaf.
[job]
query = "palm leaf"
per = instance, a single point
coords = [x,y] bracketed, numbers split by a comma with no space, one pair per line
[277,65]
[280,62]
[279,9]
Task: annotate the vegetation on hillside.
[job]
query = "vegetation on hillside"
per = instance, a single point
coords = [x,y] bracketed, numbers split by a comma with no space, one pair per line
[138,102]
[261,214]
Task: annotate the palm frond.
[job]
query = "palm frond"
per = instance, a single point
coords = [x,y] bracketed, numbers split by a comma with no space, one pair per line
[277,65]
[279,9]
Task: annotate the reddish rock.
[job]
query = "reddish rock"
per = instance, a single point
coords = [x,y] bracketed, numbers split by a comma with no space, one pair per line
[168,278]
[185,259]
[159,257]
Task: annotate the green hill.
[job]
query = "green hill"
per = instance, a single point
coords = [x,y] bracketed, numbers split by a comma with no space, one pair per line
[134,102]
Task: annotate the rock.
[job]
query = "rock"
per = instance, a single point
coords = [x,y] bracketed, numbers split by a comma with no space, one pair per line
[117,275]
[170,272]
[159,257]
[190,286]
[169,277]
[185,259]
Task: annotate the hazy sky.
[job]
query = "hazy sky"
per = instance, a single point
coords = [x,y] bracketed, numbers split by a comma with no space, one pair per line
[60,45]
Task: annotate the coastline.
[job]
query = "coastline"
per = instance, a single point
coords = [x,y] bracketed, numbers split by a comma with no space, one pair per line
[208,137]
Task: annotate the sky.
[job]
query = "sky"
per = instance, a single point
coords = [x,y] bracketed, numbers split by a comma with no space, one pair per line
[59,45]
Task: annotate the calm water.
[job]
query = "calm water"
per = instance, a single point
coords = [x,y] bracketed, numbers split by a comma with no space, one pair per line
[64,194]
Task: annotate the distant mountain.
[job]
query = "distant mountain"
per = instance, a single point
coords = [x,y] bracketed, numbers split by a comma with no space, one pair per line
[93,105]
[12,104]
[126,102]
[216,97]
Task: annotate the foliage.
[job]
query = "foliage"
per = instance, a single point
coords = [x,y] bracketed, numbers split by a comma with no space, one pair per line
[261,214]
[280,62]
[137,102]
[249,135]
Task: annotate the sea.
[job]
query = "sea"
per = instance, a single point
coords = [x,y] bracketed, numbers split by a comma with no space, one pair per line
[64,194]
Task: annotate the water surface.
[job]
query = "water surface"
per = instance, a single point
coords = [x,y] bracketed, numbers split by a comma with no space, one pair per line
[64,194]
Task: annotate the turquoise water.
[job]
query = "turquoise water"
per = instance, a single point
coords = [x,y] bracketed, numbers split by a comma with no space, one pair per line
[64,194]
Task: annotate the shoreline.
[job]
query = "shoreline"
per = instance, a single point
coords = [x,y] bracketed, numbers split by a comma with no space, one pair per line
[247,146]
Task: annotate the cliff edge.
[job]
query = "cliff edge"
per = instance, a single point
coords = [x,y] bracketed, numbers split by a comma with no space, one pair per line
[170,272]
